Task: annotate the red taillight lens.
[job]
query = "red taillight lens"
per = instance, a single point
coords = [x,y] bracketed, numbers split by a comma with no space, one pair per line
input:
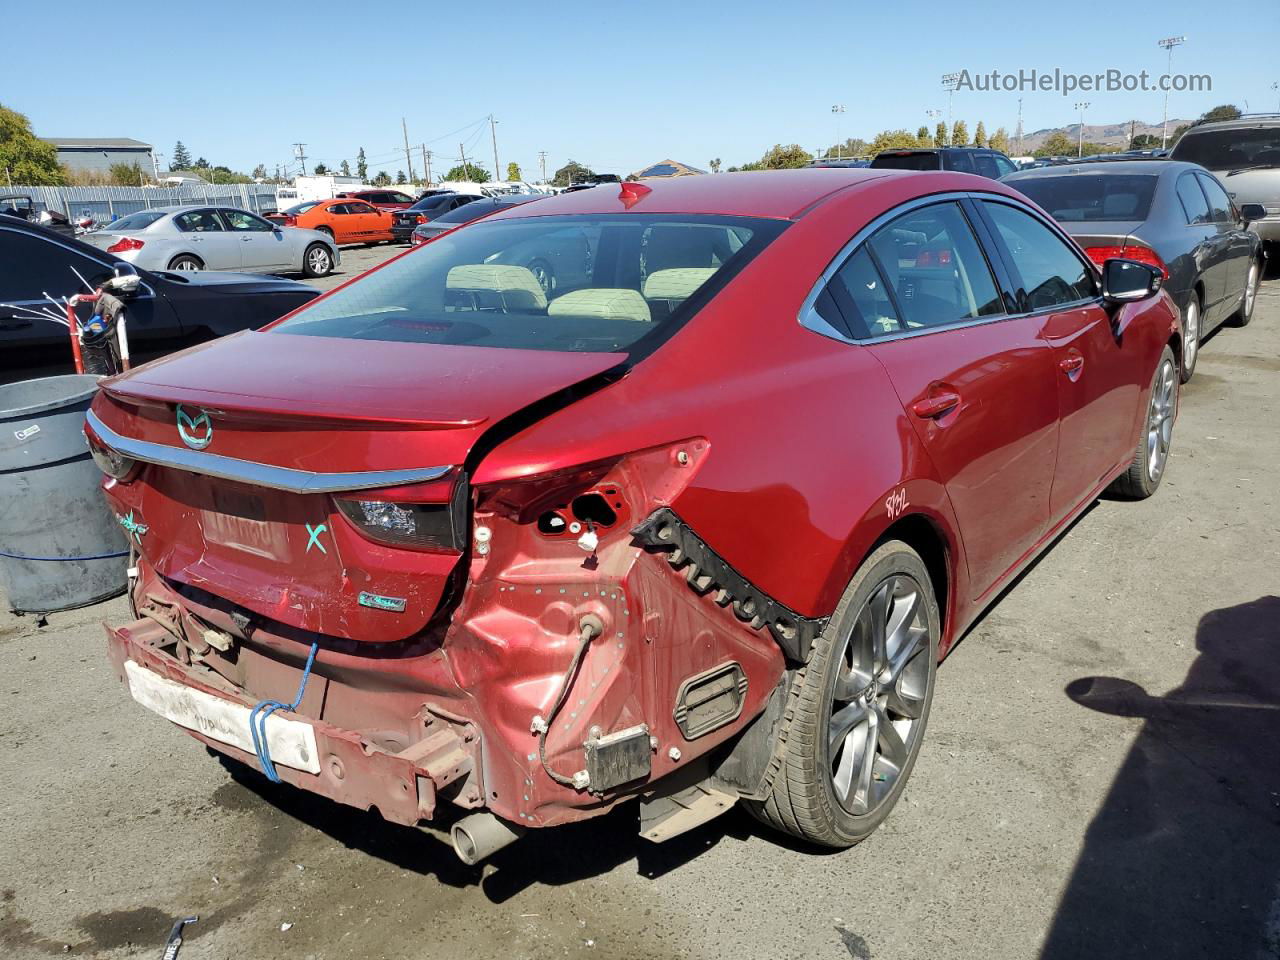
[1101,255]
[110,462]
[290,220]
[123,244]
[421,219]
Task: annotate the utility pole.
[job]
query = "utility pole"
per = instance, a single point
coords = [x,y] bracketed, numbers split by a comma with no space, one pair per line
[1168,43]
[1082,106]
[408,157]
[1020,153]
[300,150]
[463,157]
[426,162]
[542,162]
[493,132]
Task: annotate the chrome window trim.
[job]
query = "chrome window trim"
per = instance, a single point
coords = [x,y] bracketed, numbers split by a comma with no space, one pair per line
[257,474]
[810,319]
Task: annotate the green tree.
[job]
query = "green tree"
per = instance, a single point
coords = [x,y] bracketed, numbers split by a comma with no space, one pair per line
[999,140]
[1226,111]
[513,171]
[788,157]
[959,134]
[260,172]
[852,147]
[181,159]
[383,179]
[25,159]
[893,140]
[715,165]
[362,168]
[1057,144]
[200,164]
[345,168]
[1178,131]
[923,138]
[980,135]
[127,174]
[321,169]
[1088,149]
[571,172]
[1144,141]
[400,177]
[468,171]
[940,138]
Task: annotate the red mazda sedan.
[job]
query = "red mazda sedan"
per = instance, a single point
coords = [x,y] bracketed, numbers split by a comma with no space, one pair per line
[692,519]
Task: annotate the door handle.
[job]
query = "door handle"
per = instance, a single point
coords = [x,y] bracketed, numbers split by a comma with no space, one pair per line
[1072,365]
[936,404]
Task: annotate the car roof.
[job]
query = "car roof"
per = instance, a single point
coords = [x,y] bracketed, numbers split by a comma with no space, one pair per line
[773,194]
[1136,165]
[1246,120]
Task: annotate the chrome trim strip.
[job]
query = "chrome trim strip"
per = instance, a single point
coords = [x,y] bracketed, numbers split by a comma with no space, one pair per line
[257,474]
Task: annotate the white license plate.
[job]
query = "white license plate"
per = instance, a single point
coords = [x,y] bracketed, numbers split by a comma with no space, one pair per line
[292,742]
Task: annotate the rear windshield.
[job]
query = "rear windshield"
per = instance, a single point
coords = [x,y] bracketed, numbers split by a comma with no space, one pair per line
[598,283]
[1103,196]
[906,161]
[302,208]
[434,200]
[1230,149]
[472,211]
[136,221]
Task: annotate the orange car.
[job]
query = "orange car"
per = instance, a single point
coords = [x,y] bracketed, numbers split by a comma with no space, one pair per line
[347,221]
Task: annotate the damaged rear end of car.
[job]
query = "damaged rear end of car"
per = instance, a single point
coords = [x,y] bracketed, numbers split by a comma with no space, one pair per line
[324,591]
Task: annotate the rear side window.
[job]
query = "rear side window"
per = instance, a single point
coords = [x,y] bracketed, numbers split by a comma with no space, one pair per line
[862,297]
[1192,199]
[1051,273]
[589,283]
[958,160]
[934,268]
[1219,202]
[986,165]
[198,221]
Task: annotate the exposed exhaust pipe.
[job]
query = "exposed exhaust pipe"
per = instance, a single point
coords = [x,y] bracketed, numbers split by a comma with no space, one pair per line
[480,835]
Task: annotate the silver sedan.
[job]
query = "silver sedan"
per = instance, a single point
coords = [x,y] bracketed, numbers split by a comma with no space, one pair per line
[215,238]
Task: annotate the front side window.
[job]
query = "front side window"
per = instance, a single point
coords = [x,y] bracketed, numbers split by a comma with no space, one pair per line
[1193,202]
[1051,273]
[198,221]
[935,269]
[244,222]
[591,283]
[47,266]
[1004,165]
[1219,202]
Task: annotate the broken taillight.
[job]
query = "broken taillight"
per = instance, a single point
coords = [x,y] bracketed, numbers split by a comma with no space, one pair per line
[387,517]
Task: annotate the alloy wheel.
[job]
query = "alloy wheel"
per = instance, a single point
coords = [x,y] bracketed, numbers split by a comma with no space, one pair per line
[318,261]
[1160,419]
[1251,289]
[881,687]
[1191,331]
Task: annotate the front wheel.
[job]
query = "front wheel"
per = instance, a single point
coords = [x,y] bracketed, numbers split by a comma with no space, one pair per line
[1190,337]
[1143,477]
[317,261]
[1242,316]
[856,712]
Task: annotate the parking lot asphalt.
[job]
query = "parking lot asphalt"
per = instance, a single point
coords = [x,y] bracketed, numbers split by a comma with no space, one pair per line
[1101,778]
[356,260]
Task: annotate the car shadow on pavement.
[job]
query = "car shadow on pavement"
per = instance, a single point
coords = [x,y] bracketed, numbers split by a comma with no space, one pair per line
[1183,858]
[553,857]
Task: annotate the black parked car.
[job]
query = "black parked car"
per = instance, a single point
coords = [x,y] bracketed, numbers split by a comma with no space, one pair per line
[1175,216]
[170,309]
[425,210]
[979,160]
[465,214]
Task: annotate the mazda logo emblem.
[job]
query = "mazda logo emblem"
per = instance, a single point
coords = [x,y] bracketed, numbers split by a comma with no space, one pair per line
[196,432]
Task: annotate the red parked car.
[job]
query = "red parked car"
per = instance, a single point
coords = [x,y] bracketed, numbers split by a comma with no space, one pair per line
[382,199]
[695,523]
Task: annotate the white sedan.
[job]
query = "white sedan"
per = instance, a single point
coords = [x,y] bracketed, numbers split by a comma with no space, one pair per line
[215,238]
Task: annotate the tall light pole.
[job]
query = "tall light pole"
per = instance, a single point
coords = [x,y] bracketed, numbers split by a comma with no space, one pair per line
[838,110]
[1020,153]
[1168,43]
[949,83]
[1082,106]
[493,132]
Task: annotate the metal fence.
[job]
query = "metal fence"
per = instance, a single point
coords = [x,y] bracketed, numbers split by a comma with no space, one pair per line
[104,204]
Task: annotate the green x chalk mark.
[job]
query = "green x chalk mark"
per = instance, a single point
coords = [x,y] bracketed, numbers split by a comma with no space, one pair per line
[313,537]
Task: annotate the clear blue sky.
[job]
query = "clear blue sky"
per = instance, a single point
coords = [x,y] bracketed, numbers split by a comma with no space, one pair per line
[240,82]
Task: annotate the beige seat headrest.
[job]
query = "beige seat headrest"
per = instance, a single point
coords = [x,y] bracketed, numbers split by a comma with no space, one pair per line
[517,286]
[605,303]
[676,283]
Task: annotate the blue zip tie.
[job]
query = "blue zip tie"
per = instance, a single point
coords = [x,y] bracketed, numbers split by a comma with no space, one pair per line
[96,556]
[259,714]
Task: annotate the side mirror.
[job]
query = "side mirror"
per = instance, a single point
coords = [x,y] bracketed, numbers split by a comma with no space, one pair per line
[1249,212]
[124,279]
[277,231]
[1128,281]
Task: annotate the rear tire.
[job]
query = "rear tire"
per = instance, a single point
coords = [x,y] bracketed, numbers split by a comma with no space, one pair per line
[317,261]
[856,712]
[1192,325]
[1143,477]
[186,261]
[1242,316]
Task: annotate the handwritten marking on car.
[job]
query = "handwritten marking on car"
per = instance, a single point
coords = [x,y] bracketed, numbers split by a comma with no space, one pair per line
[896,503]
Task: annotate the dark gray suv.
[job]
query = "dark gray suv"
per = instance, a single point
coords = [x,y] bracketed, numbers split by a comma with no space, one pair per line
[979,160]
[1245,154]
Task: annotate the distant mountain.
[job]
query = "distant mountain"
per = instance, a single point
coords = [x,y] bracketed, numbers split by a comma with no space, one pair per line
[1112,134]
